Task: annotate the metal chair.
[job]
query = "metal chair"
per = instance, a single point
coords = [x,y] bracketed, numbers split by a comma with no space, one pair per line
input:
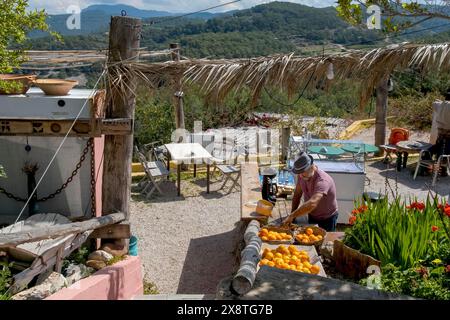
[434,164]
[155,172]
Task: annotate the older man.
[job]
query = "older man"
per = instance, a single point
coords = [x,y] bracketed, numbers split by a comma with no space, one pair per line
[319,192]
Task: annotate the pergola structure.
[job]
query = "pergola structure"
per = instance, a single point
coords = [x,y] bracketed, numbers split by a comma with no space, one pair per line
[291,73]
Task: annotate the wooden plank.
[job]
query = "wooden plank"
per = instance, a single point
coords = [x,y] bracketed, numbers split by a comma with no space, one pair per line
[251,192]
[116,126]
[40,127]
[279,284]
[124,43]
[59,230]
[115,231]
[46,261]
[351,262]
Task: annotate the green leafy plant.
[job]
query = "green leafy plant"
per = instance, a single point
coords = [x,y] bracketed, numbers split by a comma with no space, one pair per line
[397,233]
[150,288]
[78,257]
[10,86]
[5,280]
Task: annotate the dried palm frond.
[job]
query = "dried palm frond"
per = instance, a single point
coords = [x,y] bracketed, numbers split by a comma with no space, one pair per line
[290,73]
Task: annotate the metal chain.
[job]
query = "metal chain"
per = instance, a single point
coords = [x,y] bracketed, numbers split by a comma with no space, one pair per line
[11,196]
[93,179]
[74,173]
[65,184]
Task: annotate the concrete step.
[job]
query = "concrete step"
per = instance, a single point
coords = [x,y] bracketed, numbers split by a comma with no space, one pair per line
[175,297]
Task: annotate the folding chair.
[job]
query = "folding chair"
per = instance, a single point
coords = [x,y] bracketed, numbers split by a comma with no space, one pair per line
[396,135]
[155,172]
[229,152]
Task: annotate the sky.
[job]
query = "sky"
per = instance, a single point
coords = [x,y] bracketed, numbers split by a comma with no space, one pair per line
[61,6]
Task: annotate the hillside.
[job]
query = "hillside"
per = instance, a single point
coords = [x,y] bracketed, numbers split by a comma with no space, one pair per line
[277,27]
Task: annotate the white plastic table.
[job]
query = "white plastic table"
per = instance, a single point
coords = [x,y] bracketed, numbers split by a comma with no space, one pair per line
[189,153]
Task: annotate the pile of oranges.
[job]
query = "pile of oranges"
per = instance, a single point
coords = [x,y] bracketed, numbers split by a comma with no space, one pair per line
[267,235]
[289,258]
[308,236]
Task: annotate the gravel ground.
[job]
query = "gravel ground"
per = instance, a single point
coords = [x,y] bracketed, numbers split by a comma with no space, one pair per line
[187,243]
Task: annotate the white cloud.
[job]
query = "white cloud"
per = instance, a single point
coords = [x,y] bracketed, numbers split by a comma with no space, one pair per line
[60,6]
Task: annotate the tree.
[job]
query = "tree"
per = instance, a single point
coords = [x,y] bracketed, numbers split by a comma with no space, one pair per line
[398,15]
[16,21]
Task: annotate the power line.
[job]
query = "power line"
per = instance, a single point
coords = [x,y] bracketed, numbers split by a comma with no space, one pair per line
[192,13]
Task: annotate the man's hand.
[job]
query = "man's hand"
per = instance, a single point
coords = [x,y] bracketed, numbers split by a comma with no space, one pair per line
[288,220]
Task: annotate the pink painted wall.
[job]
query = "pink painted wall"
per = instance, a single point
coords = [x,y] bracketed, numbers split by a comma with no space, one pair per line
[121,281]
[99,145]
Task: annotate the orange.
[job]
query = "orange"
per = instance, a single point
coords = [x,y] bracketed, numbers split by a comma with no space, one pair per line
[271,264]
[293,268]
[264,262]
[306,264]
[264,238]
[269,256]
[278,255]
[272,237]
[283,234]
[264,231]
[315,269]
[309,231]
[319,237]
[281,248]
[279,237]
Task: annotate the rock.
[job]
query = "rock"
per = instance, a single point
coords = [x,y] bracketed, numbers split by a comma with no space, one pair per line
[100,255]
[117,250]
[97,265]
[76,272]
[53,283]
[44,276]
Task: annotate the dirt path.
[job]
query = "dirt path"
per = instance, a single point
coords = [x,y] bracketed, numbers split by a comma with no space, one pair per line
[187,244]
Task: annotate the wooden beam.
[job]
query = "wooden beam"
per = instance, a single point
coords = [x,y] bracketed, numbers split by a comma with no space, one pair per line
[178,97]
[115,231]
[381,113]
[59,230]
[124,44]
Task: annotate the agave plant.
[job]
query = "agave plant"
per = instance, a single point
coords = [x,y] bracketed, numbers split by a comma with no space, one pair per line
[397,233]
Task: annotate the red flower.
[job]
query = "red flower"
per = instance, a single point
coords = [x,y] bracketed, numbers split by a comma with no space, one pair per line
[447,211]
[447,268]
[352,220]
[416,205]
[355,212]
[363,208]
[434,228]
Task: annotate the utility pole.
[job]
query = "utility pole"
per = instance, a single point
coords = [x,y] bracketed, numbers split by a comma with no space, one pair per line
[124,43]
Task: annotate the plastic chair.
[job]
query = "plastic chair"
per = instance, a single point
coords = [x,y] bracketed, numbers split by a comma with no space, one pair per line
[396,135]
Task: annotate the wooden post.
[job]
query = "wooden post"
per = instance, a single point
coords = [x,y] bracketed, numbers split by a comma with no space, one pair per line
[285,135]
[178,97]
[124,42]
[381,113]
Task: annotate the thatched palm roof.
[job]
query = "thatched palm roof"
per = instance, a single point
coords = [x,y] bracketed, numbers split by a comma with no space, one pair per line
[291,73]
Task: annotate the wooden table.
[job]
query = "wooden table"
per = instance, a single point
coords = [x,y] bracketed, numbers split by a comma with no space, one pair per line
[404,148]
[189,153]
